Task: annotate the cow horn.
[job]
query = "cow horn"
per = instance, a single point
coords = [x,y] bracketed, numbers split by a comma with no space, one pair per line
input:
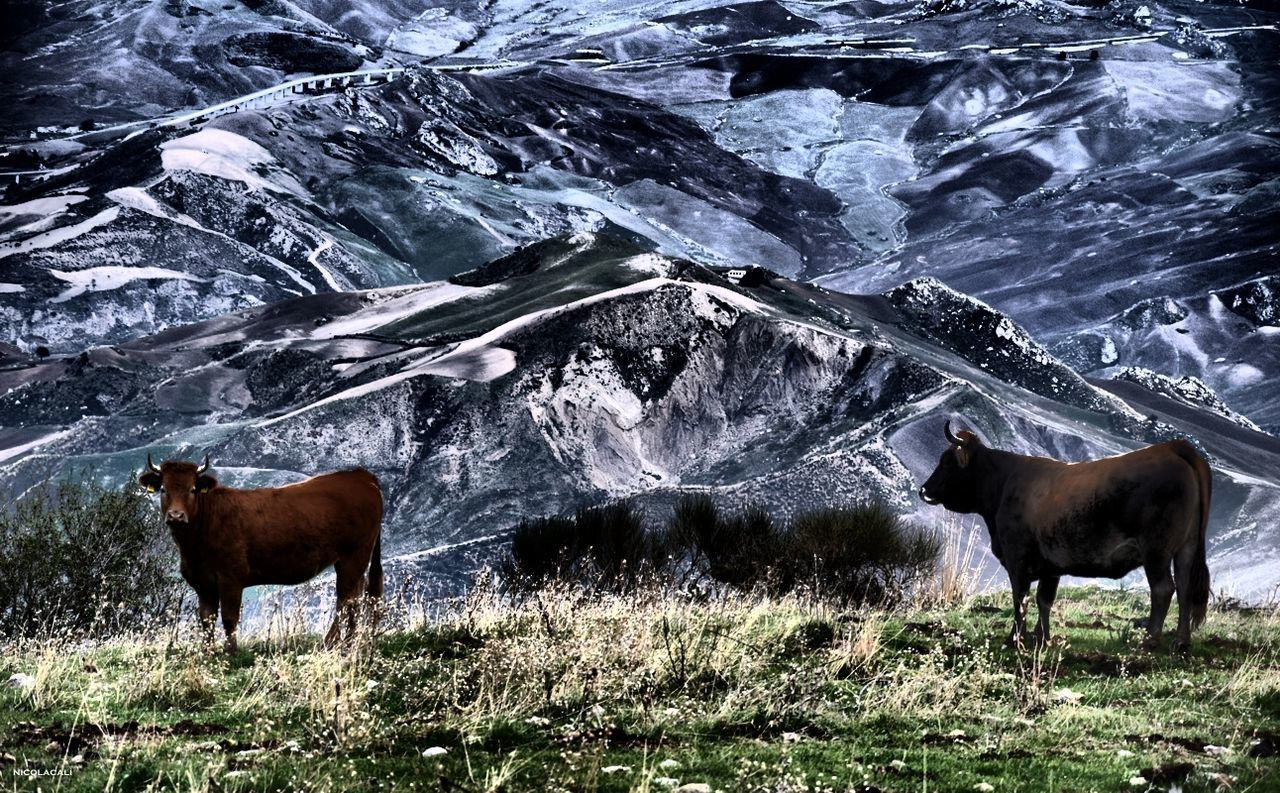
[150,465]
[203,466]
[952,438]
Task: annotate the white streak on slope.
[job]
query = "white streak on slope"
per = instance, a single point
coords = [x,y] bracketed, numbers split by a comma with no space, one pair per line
[101,279]
[14,451]
[313,259]
[51,238]
[478,359]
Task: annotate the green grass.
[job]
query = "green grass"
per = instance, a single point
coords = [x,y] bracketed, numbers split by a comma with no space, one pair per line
[568,692]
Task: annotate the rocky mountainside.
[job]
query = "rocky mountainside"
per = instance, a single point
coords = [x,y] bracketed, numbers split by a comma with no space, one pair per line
[586,368]
[497,278]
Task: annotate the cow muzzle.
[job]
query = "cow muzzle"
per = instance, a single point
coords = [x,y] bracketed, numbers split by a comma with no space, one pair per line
[175,517]
[926,498]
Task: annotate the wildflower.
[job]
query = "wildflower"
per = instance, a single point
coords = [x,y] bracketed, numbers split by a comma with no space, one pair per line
[1138,781]
[538,721]
[665,781]
[616,769]
[1124,753]
[23,682]
[669,765]
[1217,751]
[1066,695]
[984,787]
[897,765]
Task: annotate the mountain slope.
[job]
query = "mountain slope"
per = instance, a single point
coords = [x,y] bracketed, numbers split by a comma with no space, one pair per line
[589,369]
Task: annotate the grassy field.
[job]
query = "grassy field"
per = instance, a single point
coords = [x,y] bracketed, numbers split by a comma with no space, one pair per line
[653,692]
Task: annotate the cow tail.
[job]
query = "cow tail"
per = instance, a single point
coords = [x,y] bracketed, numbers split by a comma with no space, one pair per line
[374,589]
[375,569]
[1199,582]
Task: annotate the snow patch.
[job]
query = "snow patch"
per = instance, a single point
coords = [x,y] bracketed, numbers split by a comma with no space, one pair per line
[60,235]
[1109,353]
[102,279]
[217,152]
[649,263]
[138,199]
[313,260]
[7,289]
[14,451]
[51,205]
[389,305]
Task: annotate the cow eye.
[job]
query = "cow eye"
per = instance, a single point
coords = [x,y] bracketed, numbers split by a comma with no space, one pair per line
[193,490]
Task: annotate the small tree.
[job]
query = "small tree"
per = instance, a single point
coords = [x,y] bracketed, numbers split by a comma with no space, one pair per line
[75,556]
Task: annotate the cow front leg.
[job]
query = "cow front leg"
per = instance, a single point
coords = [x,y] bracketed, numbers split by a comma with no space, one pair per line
[208,612]
[1160,579]
[230,596]
[1046,592]
[1019,585]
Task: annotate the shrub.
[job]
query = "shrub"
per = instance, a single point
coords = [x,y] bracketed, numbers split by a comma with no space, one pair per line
[740,549]
[79,557]
[863,553]
[606,547]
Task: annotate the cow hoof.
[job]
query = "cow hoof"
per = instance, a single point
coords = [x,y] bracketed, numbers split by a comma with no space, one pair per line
[1151,643]
[1180,648]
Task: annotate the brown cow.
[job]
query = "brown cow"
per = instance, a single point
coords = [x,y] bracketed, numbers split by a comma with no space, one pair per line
[1148,508]
[230,539]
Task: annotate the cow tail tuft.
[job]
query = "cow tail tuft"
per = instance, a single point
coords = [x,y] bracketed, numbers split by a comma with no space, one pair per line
[1199,582]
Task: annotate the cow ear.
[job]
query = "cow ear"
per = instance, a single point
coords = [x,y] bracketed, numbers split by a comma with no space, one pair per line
[205,483]
[962,456]
[150,480]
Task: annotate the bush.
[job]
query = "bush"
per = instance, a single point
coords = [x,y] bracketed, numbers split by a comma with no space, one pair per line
[78,557]
[607,547]
[740,550]
[863,553]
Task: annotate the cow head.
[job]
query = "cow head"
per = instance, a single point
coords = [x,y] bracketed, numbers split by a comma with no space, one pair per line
[181,485]
[954,483]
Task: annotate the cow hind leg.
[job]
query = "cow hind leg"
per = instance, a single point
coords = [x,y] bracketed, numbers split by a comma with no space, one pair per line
[1160,579]
[230,597]
[1184,564]
[350,582]
[1046,592]
[1019,585]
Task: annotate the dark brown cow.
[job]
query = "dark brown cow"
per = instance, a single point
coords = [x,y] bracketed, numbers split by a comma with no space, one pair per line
[1047,518]
[230,539]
